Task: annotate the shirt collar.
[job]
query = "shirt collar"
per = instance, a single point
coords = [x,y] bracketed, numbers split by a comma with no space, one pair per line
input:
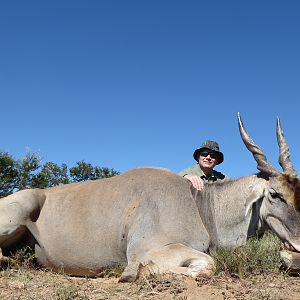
[211,177]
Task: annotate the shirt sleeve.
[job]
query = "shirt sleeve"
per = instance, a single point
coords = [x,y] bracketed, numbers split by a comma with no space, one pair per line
[195,170]
[183,172]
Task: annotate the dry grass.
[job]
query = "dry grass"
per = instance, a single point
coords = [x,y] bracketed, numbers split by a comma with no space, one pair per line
[28,284]
[256,257]
[240,277]
[161,283]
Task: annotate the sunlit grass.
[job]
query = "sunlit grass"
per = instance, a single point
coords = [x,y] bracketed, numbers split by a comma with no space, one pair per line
[256,257]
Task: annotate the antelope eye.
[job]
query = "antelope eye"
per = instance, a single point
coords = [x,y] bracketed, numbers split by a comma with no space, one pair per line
[276,195]
[273,193]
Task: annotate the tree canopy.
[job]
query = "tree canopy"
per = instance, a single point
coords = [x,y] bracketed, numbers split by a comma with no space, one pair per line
[30,172]
[8,174]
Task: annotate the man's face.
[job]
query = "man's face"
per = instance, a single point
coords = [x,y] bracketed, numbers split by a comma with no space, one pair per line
[208,159]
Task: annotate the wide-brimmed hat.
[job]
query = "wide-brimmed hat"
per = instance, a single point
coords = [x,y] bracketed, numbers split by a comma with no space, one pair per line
[211,146]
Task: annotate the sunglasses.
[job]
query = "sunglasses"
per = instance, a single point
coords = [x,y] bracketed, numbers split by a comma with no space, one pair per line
[212,155]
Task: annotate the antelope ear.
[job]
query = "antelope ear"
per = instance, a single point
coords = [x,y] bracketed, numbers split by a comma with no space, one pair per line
[253,197]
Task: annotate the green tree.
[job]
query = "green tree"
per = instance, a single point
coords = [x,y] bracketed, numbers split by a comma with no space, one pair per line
[82,172]
[27,167]
[85,171]
[100,173]
[28,172]
[8,174]
[51,174]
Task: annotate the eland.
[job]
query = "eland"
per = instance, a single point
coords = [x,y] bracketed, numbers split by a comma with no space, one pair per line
[153,217]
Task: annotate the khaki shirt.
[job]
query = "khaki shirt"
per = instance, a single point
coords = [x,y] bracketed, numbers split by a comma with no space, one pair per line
[196,170]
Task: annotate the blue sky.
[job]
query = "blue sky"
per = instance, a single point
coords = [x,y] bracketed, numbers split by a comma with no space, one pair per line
[124,84]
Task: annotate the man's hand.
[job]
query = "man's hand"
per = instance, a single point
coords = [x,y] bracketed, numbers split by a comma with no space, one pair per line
[196,181]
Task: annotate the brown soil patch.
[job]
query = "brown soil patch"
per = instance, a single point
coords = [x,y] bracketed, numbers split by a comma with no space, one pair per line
[39,284]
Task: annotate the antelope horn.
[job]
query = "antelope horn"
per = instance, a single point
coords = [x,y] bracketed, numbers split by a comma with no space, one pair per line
[284,152]
[262,163]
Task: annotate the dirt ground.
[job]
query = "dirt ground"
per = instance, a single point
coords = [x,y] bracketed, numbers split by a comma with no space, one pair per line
[40,284]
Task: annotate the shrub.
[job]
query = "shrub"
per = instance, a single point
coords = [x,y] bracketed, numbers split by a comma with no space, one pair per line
[256,257]
[112,271]
[23,257]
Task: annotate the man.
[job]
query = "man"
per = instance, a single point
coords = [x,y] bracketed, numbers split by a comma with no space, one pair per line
[207,156]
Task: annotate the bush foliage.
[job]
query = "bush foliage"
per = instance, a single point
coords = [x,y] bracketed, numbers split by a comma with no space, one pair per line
[256,257]
[29,172]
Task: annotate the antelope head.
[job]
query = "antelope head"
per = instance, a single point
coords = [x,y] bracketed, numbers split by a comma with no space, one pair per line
[280,208]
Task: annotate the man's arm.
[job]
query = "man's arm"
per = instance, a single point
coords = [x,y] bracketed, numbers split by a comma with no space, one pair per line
[196,181]
[193,178]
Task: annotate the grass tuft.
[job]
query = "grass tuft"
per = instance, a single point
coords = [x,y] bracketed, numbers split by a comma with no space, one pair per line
[112,271]
[68,293]
[23,257]
[256,257]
